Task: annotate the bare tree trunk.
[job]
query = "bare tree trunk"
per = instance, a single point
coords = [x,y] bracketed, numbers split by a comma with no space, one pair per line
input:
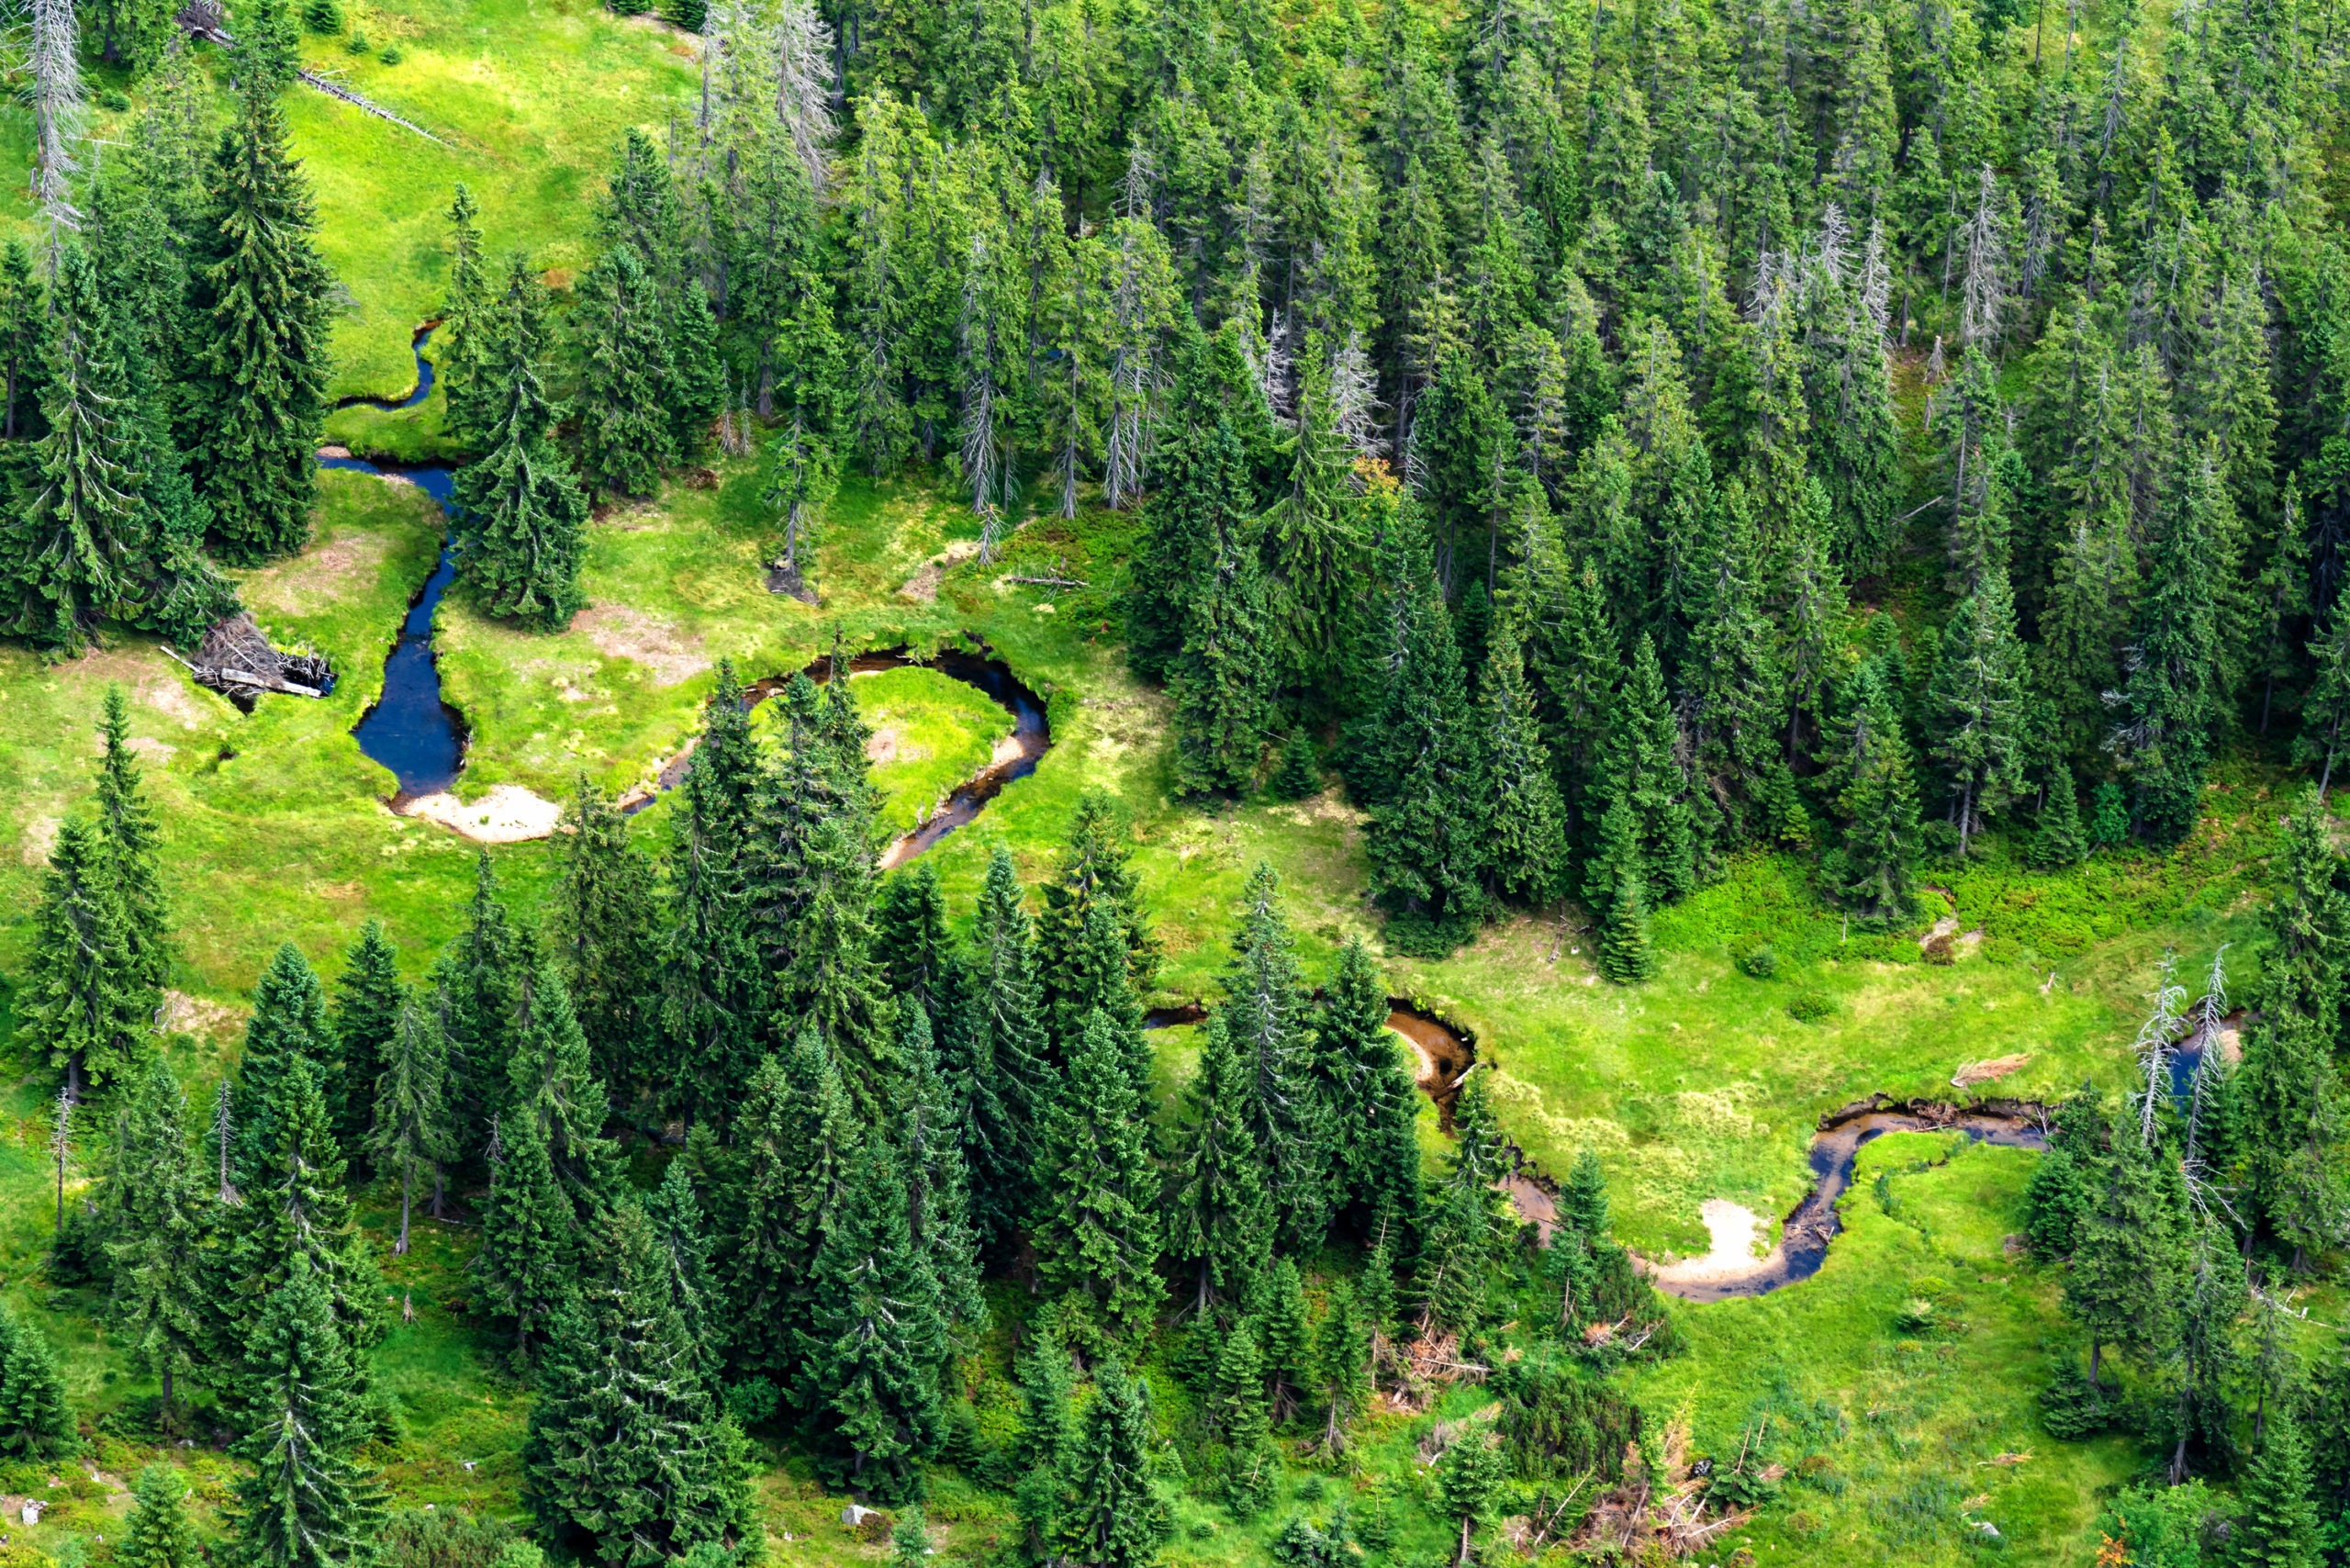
[408,1181]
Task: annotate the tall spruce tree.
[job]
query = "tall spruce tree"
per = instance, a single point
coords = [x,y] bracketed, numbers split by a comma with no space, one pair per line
[82,1002]
[2174,698]
[529,1261]
[1219,1215]
[1116,1518]
[365,1019]
[296,1216]
[625,431]
[628,1455]
[552,1083]
[1097,1224]
[1976,702]
[1284,1108]
[2279,1526]
[311,1501]
[603,927]
[877,1334]
[410,1127]
[938,1201]
[78,552]
[157,1532]
[1008,1033]
[479,983]
[1373,1105]
[521,519]
[289,1024]
[714,983]
[1528,841]
[259,297]
[795,1138]
[157,1218]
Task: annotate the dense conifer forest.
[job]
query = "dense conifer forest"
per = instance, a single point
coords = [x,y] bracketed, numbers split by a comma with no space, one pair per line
[1774,500]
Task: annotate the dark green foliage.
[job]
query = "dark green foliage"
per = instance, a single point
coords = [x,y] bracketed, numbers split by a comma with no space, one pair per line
[1622,893]
[877,1334]
[1092,870]
[1097,1225]
[2124,1286]
[295,1217]
[365,1019]
[792,1146]
[158,1533]
[1242,1421]
[2279,1527]
[553,1084]
[259,295]
[479,983]
[529,1241]
[412,1131]
[1299,777]
[2059,840]
[1219,1215]
[1373,1107]
[310,1502]
[2109,815]
[82,1002]
[1115,1517]
[289,1024]
[522,521]
[77,553]
[937,1182]
[626,437]
[2070,1406]
[715,984]
[34,1420]
[603,929]
[1009,1043]
[1560,1422]
[1470,1478]
[628,1455]
[1285,1105]
[157,1216]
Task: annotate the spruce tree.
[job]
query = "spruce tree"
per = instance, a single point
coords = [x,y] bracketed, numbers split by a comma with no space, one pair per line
[1638,765]
[479,981]
[156,1222]
[1977,699]
[2059,840]
[694,389]
[296,1215]
[158,1533]
[1426,838]
[522,521]
[1470,1478]
[1277,1306]
[876,1336]
[795,1138]
[78,552]
[930,1155]
[715,981]
[1528,846]
[289,1024]
[2325,711]
[603,927]
[1097,1225]
[1373,1104]
[23,322]
[1008,1033]
[462,343]
[1221,679]
[34,1420]
[1220,1217]
[2174,696]
[683,1236]
[410,1127]
[1267,1016]
[310,1502]
[1618,884]
[1239,1417]
[1092,870]
[1341,1366]
[1116,1518]
[134,844]
[1879,799]
[625,431]
[628,1455]
[366,1020]
[82,1003]
[552,1083]
[259,295]
[1047,1441]
[2123,1285]
[2279,1527]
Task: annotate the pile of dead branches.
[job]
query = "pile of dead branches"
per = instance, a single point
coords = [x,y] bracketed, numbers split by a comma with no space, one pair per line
[240,663]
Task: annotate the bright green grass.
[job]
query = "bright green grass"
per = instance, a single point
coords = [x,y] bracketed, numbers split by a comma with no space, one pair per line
[930,733]
[532,100]
[1901,1430]
[273,823]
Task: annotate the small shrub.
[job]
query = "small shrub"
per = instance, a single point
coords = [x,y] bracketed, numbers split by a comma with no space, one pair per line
[322,17]
[752,1401]
[113,100]
[415,1538]
[1940,948]
[391,55]
[1759,963]
[1916,1315]
[357,42]
[1803,1525]
[1812,1007]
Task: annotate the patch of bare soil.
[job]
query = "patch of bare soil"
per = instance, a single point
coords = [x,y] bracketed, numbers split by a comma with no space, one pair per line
[621,634]
[148,678]
[508,814]
[185,1015]
[924,584]
[1973,1073]
[1733,1228]
[344,565]
[885,745]
[40,837]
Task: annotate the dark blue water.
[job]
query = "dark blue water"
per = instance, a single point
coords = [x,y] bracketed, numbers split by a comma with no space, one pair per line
[408,729]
